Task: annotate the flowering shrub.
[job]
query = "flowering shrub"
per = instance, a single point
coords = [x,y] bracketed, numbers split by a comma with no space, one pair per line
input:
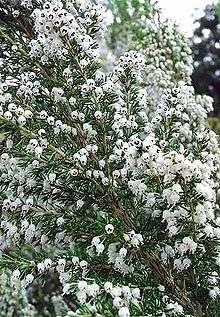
[105,201]
[139,24]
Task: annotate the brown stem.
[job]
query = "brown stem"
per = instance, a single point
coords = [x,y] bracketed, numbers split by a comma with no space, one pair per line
[152,260]
[199,312]
[121,215]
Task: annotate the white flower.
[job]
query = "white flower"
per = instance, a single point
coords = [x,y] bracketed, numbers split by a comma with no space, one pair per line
[60,221]
[66,289]
[21,120]
[175,308]
[82,285]
[95,241]
[136,240]
[123,252]
[215,292]
[29,279]
[206,190]
[100,248]
[118,302]
[98,115]
[108,287]
[48,263]
[109,228]
[116,291]
[62,262]
[93,290]
[124,312]
[8,115]
[79,203]
[38,151]
[161,288]
[81,296]
[136,293]
[28,114]
[187,245]
[127,292]
[75,260]
[41,267]
[83,264]
[16,273]
[171,196]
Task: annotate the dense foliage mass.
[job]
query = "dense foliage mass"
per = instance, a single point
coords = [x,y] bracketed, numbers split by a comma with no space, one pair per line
[206,55]
[139,25]
[109,181]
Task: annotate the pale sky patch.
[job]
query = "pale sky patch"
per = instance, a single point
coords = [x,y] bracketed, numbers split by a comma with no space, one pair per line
[182,11]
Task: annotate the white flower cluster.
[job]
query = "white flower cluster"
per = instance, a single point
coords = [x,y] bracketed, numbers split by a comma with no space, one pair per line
[140,25]
[121,296]
[14,299]
[119,252]
[98,187]
[54,22]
